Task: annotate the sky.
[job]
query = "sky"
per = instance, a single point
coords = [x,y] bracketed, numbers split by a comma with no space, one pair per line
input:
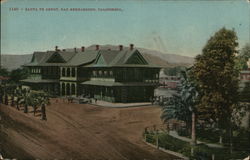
[175,27]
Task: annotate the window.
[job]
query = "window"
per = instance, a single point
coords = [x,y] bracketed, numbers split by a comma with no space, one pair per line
[156,76]
[73,72]
[111,73]
[100,73]
[73,89]
[63,72]
[94,73]
[68,72]
[105,73]
[63,88]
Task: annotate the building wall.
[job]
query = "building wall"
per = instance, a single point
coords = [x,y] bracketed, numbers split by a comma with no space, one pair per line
[122,94]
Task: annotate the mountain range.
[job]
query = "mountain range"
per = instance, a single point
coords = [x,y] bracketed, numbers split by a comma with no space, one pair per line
[165,60]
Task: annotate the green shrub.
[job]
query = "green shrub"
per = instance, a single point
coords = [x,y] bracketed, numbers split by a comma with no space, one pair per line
[183,132]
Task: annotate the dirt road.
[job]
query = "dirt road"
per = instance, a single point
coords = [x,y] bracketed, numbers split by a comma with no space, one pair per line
[81,131]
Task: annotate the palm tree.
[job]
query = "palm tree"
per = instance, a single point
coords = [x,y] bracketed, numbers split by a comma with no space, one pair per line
[19,98]
[44,100]
[27,101]
[182,106]
[190,96]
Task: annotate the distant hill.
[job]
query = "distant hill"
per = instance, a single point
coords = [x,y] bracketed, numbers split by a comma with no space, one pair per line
[155,57]
[15,61]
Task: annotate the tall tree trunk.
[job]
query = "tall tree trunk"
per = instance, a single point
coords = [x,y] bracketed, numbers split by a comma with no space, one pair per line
[231,141]
[193,134]
[220,141]
[25,108]
[12,101]
[17,104]
[43,112]
[6,99]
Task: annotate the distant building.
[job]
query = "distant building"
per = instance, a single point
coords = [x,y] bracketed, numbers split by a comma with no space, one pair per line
[170,82]
[244,89]
[121,75]
[245,76]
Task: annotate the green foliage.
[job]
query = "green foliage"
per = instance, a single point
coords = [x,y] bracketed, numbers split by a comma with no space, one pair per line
[245,93]
[19,74]
[240,63]
[181,105]
[242,58]
[170,143]
[215,74]
[4,72]
[175,108]
[201,151]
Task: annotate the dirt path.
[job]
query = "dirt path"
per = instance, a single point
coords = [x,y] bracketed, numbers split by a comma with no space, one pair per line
[77,131]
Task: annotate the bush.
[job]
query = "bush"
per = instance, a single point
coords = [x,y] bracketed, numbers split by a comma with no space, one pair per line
[183,132]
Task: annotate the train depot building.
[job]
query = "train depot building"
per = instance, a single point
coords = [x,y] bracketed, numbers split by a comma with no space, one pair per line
[121,75]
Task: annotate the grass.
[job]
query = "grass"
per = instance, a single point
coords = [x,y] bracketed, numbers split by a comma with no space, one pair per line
[201,151]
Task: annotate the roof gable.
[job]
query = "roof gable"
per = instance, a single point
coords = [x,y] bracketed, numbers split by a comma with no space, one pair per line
[100,61]
[33,59]
[136,58]
[56,58]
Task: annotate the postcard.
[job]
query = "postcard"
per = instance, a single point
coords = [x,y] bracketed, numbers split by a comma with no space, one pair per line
[125,80]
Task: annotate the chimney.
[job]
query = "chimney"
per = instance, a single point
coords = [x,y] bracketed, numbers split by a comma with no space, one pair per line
[120,47]
[75,49]
[97,47]
[83,48]
[131,47]
[56,48]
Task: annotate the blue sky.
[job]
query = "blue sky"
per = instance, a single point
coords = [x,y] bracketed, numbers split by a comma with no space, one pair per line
[176,27]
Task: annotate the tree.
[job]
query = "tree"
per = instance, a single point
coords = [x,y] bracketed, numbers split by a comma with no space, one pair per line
[214,72]
[4,72]
[182,106]
[19,74]
[245,93]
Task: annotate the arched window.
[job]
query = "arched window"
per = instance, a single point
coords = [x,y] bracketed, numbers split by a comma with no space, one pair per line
[105,73]
[73,91]
[68,72]
[100,73]
[73,72]
[94,73]
[63,89]
[63,72]
[68,89]
[111,73]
